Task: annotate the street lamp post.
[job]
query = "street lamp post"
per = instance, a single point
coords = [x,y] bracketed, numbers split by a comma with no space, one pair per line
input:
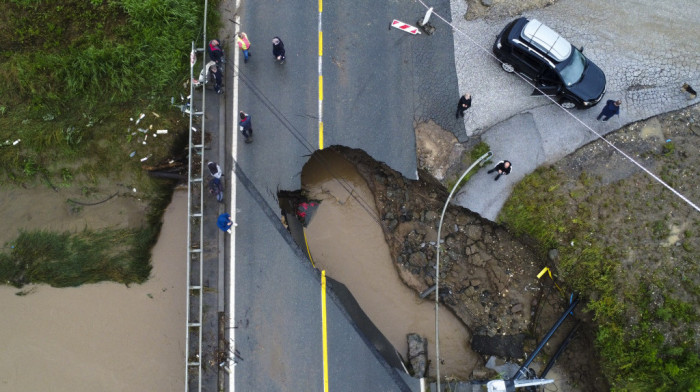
[437,264]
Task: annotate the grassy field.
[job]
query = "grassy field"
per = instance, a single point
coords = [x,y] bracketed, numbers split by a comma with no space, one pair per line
[73,75]
[629,246]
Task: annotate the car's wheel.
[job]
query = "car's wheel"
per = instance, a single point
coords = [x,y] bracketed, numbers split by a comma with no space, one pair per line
[568,105]
[507,67]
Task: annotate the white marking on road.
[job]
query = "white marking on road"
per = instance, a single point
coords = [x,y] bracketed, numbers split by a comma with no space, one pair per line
[231,364]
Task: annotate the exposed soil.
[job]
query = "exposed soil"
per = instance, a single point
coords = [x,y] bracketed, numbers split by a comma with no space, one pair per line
[502,8]
[487,277]
[345,238]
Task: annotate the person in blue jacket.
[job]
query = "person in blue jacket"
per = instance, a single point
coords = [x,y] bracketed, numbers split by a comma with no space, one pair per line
[246,126]
[225,222]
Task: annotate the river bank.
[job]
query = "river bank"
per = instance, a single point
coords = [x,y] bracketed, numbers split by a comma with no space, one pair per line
[105,336]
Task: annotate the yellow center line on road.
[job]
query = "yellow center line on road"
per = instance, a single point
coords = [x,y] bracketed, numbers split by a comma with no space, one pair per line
[325,331]
[320,75]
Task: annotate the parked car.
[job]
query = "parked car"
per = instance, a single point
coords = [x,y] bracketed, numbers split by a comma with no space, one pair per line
[552,64]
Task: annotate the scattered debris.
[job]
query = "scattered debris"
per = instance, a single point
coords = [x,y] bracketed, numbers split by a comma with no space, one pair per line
[140,117]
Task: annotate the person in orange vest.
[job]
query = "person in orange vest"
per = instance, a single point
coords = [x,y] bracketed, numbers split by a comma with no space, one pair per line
[244,44]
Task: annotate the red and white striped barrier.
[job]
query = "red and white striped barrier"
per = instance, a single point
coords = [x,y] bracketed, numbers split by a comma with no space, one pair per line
[405,27]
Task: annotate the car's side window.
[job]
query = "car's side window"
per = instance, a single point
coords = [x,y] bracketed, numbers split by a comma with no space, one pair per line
[549,77]
[531,66]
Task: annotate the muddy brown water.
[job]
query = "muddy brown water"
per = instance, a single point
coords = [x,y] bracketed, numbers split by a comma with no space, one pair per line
[346,240]
[102,337]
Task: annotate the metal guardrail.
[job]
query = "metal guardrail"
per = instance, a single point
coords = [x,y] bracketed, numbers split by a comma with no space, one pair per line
[195,228]
[195,241]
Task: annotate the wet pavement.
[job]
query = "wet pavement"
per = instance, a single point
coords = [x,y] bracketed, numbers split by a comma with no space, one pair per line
[277,321]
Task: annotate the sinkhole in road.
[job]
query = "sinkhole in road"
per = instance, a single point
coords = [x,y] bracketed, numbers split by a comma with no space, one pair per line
[345,239]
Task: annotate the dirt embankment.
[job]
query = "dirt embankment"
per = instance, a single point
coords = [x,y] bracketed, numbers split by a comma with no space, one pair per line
[481,264]
[487,277]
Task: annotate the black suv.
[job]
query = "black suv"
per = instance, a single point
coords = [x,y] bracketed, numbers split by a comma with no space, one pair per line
[553,65]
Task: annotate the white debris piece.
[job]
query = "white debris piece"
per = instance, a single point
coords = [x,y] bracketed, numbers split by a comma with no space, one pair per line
[162,131]
[141,117]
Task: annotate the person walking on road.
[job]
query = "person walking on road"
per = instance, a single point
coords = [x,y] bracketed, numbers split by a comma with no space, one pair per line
[216,54]
[278,49]
[503,167]
[611,108]
[465,102]
[216,77]
[225,222]
[244,44]
[246,126]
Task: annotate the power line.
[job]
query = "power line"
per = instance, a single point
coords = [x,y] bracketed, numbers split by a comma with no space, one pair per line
[652,175]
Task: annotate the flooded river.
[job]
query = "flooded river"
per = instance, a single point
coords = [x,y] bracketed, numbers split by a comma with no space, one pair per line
[346,240]
[102,337]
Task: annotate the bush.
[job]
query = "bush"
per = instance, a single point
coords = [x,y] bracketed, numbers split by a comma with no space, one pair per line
[640,337]
[64,259]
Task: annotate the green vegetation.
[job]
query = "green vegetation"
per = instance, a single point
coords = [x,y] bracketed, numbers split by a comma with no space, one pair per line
[72,74]
[476,153]
[66,259]
[71,259]
[646,321]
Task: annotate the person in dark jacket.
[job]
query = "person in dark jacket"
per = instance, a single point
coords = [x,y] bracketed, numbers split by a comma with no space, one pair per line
[246,126]
[611,108]
[278,49]
[224,222]
[503,167]
[216,188]
[216,78]
[216,54]
[465,102]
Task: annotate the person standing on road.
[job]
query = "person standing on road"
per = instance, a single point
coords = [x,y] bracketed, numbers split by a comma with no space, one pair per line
[611,108]
[246,126]
[216,77]
[216,54]
[278,49]
[224,222]
[465,102]
[503,167]
[244,44]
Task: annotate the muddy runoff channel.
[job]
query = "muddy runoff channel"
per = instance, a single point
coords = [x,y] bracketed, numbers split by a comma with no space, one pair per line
[345,239]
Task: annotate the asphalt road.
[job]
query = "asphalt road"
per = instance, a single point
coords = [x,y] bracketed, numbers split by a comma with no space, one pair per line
[370,102]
